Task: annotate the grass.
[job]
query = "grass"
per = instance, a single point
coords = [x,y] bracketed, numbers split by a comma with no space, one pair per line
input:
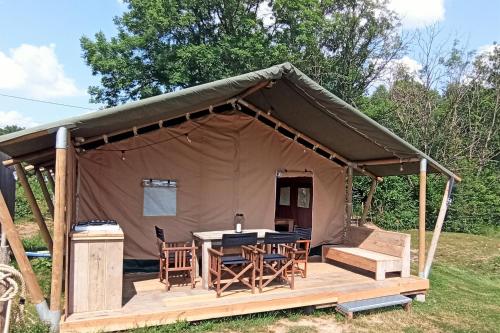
[464,297]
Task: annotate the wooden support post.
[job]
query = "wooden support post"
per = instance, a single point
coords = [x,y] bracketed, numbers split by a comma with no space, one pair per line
[368,202]
[439,225]
[17,248]
[45,191]
[59,221]
[348,198]
[51,180]
[21,175]
[421,216]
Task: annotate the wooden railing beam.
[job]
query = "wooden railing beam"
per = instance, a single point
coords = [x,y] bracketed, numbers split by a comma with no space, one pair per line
[386,161]
[45,191]
[17,248]
[50,180]
[29,157]
[35,209]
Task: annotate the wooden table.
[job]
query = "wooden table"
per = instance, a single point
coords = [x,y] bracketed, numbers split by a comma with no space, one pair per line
[209,238]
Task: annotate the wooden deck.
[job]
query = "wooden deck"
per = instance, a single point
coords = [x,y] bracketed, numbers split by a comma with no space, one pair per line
[146,303]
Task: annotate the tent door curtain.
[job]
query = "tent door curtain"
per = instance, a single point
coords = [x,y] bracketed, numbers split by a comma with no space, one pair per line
[294,196]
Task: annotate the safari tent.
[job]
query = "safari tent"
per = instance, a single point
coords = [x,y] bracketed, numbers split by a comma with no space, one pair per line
[272,145]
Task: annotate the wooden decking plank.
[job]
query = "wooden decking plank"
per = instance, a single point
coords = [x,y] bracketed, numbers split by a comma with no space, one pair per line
[150,305]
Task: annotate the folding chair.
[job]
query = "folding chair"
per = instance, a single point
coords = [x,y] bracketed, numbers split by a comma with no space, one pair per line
[236,266]
[276,256]
[175,257]
[303,249]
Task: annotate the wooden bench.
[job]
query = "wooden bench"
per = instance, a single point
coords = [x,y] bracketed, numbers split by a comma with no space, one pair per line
[373,250]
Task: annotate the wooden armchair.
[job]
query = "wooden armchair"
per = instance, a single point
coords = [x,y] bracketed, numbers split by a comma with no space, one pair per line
[303,249]
[175,257]
[277,257]
[226,269]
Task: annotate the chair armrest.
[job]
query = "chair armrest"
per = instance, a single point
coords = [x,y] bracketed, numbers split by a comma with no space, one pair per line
[179,248]
[174,244]
[257,249]
[304,245]
[288,247]
[215,252]
[250,248]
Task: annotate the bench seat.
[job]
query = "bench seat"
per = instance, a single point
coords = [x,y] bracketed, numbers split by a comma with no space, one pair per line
[373,250]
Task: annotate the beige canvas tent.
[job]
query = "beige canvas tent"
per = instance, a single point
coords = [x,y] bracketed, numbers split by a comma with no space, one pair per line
[223,145]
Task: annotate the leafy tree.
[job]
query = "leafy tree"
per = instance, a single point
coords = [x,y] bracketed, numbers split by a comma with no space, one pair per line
[10,129]
[450,111]
[162,45]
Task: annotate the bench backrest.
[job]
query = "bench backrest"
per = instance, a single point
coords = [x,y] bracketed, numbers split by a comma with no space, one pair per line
[386,242]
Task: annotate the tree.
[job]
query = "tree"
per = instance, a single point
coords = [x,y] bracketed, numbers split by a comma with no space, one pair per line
[164,45]
[449,109]
[10,129]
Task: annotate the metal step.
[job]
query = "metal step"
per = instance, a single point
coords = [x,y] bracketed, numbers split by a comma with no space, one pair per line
[348,308]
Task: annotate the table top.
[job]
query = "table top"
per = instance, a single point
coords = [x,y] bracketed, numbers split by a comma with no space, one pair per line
[217,234]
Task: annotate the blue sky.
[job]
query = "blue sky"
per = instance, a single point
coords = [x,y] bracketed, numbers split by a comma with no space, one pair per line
[40,55]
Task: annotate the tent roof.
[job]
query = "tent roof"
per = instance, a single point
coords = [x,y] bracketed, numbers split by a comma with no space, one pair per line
[293,99]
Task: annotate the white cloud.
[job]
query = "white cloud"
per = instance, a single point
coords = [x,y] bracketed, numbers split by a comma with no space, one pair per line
[15,118]
[265,13]
[486,49]
[36,72]
[410,65]
[418,13]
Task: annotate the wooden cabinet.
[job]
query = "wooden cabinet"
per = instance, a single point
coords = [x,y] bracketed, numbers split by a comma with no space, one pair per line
[96,271]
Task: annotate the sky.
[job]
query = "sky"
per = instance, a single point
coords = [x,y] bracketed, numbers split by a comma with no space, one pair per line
[41,58]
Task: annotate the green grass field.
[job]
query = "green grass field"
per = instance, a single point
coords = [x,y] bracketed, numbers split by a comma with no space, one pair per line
[464,297]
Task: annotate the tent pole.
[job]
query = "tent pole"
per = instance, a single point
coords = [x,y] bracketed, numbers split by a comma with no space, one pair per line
[45,191]
[25,268]
[368,203]
[59,225]
[21,175]
[349,197]
[421,216]
[51,180]
[439,225]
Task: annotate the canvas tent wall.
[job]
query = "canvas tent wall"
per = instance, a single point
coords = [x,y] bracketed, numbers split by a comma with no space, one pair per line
[228,163]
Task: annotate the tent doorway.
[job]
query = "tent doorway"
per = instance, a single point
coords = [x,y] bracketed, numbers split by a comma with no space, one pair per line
[294,198]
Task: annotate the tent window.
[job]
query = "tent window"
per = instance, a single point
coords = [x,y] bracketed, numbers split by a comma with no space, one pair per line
[160,197]
[285,196]
[303,197]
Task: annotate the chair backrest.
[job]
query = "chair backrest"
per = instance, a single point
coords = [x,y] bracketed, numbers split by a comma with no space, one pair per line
[160,234]
[303,233]
[234,240]
[160,238]
[280,237]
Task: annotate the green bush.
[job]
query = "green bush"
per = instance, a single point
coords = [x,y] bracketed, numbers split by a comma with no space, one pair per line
[475,206]
[22,207]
